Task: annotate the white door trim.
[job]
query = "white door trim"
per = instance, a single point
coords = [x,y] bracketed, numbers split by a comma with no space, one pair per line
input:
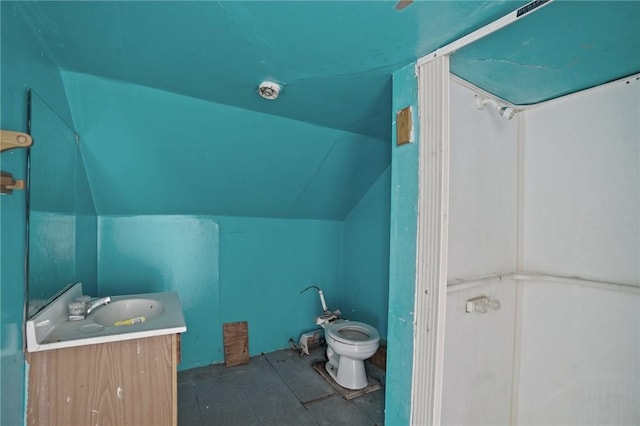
[432,239]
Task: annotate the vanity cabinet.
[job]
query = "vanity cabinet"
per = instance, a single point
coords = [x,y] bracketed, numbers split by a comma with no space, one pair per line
[129,382]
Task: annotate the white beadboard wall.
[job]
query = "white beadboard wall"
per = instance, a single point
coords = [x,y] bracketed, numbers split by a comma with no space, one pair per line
[556,353]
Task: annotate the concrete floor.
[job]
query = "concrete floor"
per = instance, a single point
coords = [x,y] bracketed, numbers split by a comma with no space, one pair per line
[278,388]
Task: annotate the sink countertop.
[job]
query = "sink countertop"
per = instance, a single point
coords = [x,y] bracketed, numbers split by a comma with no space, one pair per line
[50,328]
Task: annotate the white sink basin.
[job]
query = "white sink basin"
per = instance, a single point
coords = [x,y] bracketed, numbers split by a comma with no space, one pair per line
[51,329]
[127,312]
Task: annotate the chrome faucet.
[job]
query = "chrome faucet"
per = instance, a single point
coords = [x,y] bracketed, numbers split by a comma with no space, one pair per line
[96,303]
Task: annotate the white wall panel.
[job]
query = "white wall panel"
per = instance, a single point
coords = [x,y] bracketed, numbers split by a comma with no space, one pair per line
[483,189]
[580,356]
[576,357]
[483,203]
[580,352]
[582,187]
[478,358]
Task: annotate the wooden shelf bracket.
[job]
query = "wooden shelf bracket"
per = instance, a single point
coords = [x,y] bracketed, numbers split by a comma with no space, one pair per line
[10,139]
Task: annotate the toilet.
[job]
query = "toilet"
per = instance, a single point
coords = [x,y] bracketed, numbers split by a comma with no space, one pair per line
[349,343]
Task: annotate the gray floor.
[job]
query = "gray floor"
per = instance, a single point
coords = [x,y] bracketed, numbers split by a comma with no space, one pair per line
[278,388]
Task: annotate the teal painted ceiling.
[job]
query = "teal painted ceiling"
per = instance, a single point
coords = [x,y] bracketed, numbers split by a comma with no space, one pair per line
[334,58]
[329,133]
[565,47]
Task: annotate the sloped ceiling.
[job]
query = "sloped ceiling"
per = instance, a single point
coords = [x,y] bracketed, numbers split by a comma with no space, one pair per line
[334,60]
[155,152]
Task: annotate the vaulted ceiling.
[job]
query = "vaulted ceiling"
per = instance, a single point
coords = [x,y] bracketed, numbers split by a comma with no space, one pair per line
[334,59]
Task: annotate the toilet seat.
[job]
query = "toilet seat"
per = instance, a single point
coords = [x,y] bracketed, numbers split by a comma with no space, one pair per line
[352,333]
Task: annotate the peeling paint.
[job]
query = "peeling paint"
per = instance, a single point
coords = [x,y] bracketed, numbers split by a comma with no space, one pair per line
[507,62]
[119,392]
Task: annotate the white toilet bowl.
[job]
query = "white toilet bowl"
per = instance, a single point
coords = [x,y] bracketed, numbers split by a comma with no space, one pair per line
[349,344]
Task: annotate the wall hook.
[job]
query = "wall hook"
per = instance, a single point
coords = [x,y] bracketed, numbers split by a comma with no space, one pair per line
[482,304]
[8,183]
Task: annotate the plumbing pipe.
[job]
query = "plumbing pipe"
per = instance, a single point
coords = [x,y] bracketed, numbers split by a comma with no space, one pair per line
[321,294]
[324,303]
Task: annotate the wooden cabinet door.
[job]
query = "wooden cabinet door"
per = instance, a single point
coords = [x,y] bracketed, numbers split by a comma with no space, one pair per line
[127,383]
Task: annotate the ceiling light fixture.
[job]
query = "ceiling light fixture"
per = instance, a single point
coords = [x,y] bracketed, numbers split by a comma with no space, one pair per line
[269,90]
[503,110]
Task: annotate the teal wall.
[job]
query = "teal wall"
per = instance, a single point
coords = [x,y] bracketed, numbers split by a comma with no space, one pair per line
[86,255]
[265,264]
[225,269]
[52,221]
[52,253]
[364,288]
[402,268]
[23,65]
[150,254]
[62,218]
[228,269]
[63,241]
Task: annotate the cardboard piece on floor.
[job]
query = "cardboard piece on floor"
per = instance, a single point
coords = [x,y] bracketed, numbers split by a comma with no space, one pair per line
[236,343]
[373,384]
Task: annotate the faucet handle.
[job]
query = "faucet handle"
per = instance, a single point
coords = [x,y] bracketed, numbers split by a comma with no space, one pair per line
[77,307]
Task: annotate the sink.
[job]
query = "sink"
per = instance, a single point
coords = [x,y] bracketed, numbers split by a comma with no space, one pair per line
[136,310]
[51,329]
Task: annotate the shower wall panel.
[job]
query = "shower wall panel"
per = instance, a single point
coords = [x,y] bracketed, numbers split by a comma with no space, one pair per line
[580,354]
[482,242]
[570,351]
[479,358]
[582,186]
[483,190]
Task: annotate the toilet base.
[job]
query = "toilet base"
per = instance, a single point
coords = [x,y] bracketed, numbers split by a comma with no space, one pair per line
[348,394]
[348,373]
